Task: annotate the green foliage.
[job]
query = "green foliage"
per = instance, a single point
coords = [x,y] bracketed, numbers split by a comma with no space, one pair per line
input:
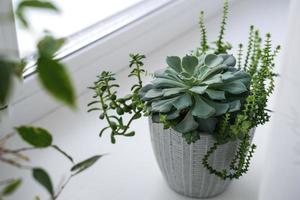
[221,46]
[83,165]
[55,79]
[11,187]
[196,88]
[36,4]
[42,177]
[52,73]
[37,137]
[107,100]
[204,45]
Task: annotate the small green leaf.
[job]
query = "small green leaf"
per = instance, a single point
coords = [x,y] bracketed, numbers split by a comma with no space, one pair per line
[42,177]
[189,63]
[37,137]
[63,153]
[81,166]
[11,187]
[130,134]
[175,63]
[48,46]
[55,79]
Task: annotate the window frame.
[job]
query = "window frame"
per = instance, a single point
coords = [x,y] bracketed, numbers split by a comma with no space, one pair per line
[110,52]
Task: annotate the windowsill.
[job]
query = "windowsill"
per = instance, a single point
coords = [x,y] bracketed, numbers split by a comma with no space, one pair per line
[130,171]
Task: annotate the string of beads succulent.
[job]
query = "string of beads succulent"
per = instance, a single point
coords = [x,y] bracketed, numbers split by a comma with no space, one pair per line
[206,91]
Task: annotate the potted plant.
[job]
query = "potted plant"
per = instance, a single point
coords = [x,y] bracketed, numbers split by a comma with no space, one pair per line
[202,109]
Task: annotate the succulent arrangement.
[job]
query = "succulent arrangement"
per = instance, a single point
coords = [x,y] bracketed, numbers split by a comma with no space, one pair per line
[208,90]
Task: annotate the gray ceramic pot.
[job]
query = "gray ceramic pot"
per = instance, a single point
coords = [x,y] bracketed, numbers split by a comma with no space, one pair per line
[181,163]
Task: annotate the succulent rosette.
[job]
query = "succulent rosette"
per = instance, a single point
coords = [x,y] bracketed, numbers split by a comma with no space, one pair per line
[191,93]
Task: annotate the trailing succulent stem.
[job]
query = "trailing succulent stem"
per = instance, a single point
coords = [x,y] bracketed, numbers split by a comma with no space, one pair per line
[221,46]
[106,100]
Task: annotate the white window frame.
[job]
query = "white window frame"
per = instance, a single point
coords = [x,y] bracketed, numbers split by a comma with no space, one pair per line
[150,25]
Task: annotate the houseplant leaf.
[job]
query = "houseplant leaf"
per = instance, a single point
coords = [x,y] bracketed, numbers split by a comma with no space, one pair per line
[37,137]
[11,187]
[55,79]
[42,177]
[81,166]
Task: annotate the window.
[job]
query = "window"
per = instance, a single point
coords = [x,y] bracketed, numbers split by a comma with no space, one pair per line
[75,16]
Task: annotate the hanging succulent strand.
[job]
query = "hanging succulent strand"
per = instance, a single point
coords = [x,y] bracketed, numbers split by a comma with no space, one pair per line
[204,45]
[220,45]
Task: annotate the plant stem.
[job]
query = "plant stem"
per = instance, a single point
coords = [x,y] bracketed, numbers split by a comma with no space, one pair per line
[15,164]
[62,187]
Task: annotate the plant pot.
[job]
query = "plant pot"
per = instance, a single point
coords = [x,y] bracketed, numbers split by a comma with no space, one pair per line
[181,163]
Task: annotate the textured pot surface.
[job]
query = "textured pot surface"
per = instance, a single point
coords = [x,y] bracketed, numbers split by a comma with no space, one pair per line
[181,163]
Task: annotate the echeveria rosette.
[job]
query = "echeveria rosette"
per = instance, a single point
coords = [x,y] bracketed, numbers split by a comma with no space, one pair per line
[191,93]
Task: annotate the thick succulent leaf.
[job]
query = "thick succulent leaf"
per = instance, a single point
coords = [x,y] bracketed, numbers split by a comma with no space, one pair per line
[221,108]
[168,73]
[229,60]
[207,125]
[166,83]
[173,115]
[172,91]
[228,76]
[202,109]
[187,124]
[234,105]
[212,60]
[155,118]
[163,106]
[198,89]
[215,94]
[183,102]
[234,87]
[174,62]
[153,93]
[212,71]
[145,89]
[214,80]
[189,63]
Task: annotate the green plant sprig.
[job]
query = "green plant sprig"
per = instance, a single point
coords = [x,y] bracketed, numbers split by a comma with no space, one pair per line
[131,104]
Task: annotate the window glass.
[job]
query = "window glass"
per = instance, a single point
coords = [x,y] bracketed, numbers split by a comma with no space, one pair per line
[75,16]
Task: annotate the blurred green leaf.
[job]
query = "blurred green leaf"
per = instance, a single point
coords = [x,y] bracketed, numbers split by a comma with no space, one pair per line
[36,4]
[55,79]
[37,137]
[42,177]
[49,45]
[11,187]
[85,164]
[63,152]
[6,77]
